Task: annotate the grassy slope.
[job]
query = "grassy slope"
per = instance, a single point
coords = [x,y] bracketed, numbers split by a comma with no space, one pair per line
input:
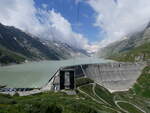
[142,51]
[83,81]
[105,94]
[129,107]
[88,89]
[139,94]
[7,56]
[129,96]
[51,102]
[46,103]
[142,87]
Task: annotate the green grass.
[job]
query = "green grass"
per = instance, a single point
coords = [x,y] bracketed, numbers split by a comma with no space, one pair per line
[7,56]
[128,107]
[50,102]
[139,94]
[142,51]
[104,94]
[46,103]
[142,86]
[83,81]
[88,89]
[103,106]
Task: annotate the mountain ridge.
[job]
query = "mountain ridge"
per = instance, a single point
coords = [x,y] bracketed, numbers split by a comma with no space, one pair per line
[126,47]
[27,47]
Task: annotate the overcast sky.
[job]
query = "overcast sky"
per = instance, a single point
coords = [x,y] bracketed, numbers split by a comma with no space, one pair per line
[88,24]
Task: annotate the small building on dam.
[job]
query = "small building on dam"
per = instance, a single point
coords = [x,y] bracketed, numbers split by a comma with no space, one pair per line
[64,80]
[114,76]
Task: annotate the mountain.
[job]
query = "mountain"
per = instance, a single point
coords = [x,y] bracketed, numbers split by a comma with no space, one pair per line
[17,46]
[66,51]
[134,48]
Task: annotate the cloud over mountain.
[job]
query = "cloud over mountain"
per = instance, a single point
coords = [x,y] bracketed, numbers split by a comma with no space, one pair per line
[115,18]
[120,18]
[41,22]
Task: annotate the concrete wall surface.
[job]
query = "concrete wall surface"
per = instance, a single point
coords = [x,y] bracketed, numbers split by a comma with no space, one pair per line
[114,76]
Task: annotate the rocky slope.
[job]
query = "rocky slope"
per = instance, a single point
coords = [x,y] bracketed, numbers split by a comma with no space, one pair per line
[17,46]
[135,47]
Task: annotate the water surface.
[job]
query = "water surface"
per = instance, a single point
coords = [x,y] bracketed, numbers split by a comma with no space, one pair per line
[37,74]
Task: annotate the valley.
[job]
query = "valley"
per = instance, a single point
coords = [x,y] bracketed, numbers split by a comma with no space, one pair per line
[119,84]
[106,88]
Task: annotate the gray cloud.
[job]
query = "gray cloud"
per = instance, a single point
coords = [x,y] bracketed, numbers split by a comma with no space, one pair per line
[120,18]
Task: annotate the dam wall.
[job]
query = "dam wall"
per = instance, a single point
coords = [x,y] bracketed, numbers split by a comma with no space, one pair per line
[114,76]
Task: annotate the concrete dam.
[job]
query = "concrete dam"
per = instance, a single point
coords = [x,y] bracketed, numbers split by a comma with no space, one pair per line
[113,76]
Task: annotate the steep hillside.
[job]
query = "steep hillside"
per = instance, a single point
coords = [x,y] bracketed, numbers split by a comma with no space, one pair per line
[64,50]
[133,47]
[16,46]
[142,86]
[7,56]
[140,53]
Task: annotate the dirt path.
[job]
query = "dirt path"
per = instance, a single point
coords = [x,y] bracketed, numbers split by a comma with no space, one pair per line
[93,89]
[117,101]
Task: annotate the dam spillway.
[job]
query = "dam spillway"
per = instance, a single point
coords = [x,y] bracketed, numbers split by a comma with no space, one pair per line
[114,76]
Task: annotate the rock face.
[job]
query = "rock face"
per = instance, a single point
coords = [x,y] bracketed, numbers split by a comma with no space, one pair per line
[114,76]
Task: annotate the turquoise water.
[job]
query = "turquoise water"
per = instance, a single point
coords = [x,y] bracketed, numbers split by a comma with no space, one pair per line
[37,74]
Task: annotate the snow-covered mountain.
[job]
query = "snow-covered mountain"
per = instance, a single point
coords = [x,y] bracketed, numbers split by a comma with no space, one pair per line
[17,46]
